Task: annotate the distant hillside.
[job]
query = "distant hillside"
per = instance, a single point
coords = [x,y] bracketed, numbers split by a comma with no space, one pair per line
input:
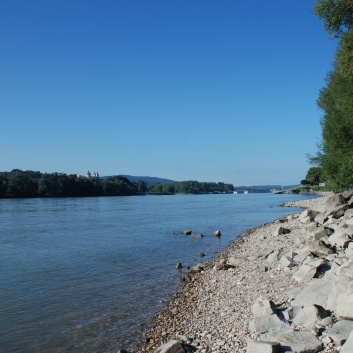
[148,180]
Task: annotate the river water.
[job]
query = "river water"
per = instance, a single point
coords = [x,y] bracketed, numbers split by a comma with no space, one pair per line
[88,274]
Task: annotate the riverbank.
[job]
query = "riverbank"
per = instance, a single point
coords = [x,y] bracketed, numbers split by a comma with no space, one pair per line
[213,311]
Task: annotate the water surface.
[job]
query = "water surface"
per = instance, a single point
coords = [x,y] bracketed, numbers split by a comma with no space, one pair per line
[86,274]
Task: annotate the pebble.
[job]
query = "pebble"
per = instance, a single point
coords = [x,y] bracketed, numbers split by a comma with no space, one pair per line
[216,306]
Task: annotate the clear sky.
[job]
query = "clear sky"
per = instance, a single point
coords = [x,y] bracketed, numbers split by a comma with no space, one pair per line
[207,90]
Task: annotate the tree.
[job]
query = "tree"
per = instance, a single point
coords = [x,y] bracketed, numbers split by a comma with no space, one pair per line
[314,175]
[337,15]
[21,186]
[141,186]
[335,155]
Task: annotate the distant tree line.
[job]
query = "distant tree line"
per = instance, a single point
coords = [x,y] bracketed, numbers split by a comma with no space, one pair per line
[192,187]
[20,184]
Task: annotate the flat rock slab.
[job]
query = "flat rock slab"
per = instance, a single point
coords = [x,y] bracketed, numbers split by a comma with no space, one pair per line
[310,314]
[305,273]
[317,292]
[339,332]
[344,308]
[297,341]
[263,347]
[266,323]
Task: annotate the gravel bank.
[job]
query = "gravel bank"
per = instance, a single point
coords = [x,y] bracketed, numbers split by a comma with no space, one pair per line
[213,311]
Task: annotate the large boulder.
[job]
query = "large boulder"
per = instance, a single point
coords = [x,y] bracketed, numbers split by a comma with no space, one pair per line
[266,323]
[307,216]
[339,211]
[263,347]
[318,248]
[263,307]
[304,274]
[310,314]
[317,292]
[295,341]
[341,236]
[321,218]
[339,332]
[332,202]
[347,194]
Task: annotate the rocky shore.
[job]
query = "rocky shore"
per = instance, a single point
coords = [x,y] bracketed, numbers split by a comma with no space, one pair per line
[283,287]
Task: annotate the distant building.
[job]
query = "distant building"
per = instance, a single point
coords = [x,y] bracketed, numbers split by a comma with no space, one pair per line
[89,175]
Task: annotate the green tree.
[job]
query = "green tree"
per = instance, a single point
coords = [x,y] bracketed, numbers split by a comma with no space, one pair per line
[335,155]
[21,186]
[337,15]
[314,176]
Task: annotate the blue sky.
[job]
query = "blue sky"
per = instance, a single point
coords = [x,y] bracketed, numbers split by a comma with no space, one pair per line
[182,89]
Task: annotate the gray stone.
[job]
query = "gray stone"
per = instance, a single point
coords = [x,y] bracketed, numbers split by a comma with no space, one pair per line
[344,308]
[235,261]
[275,255]
[317,292]
[339,211]
[291,312]
[296,341]
[347,194]
[346,270]
[222,266]
[339,285]
[179,266]
[339,332]
[305,273]
[333,202]
[282,231]
[310,314]
[318,248]
[321,218]
[320,233]
[263,307]
[266,323]
[314,262]
[327,321]
[307,216]
[292,293]
[348,346]
[302,256]
[196,235]
[173,346]
[341,237]
[348,214]
[349,252]
[286,261]
[263,347]
[312,227]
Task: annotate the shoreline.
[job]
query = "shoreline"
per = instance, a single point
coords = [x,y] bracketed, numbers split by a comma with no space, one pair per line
[211,313]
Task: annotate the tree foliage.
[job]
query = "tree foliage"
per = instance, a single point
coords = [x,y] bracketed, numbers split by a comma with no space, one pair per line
[335,155]
[337,15]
